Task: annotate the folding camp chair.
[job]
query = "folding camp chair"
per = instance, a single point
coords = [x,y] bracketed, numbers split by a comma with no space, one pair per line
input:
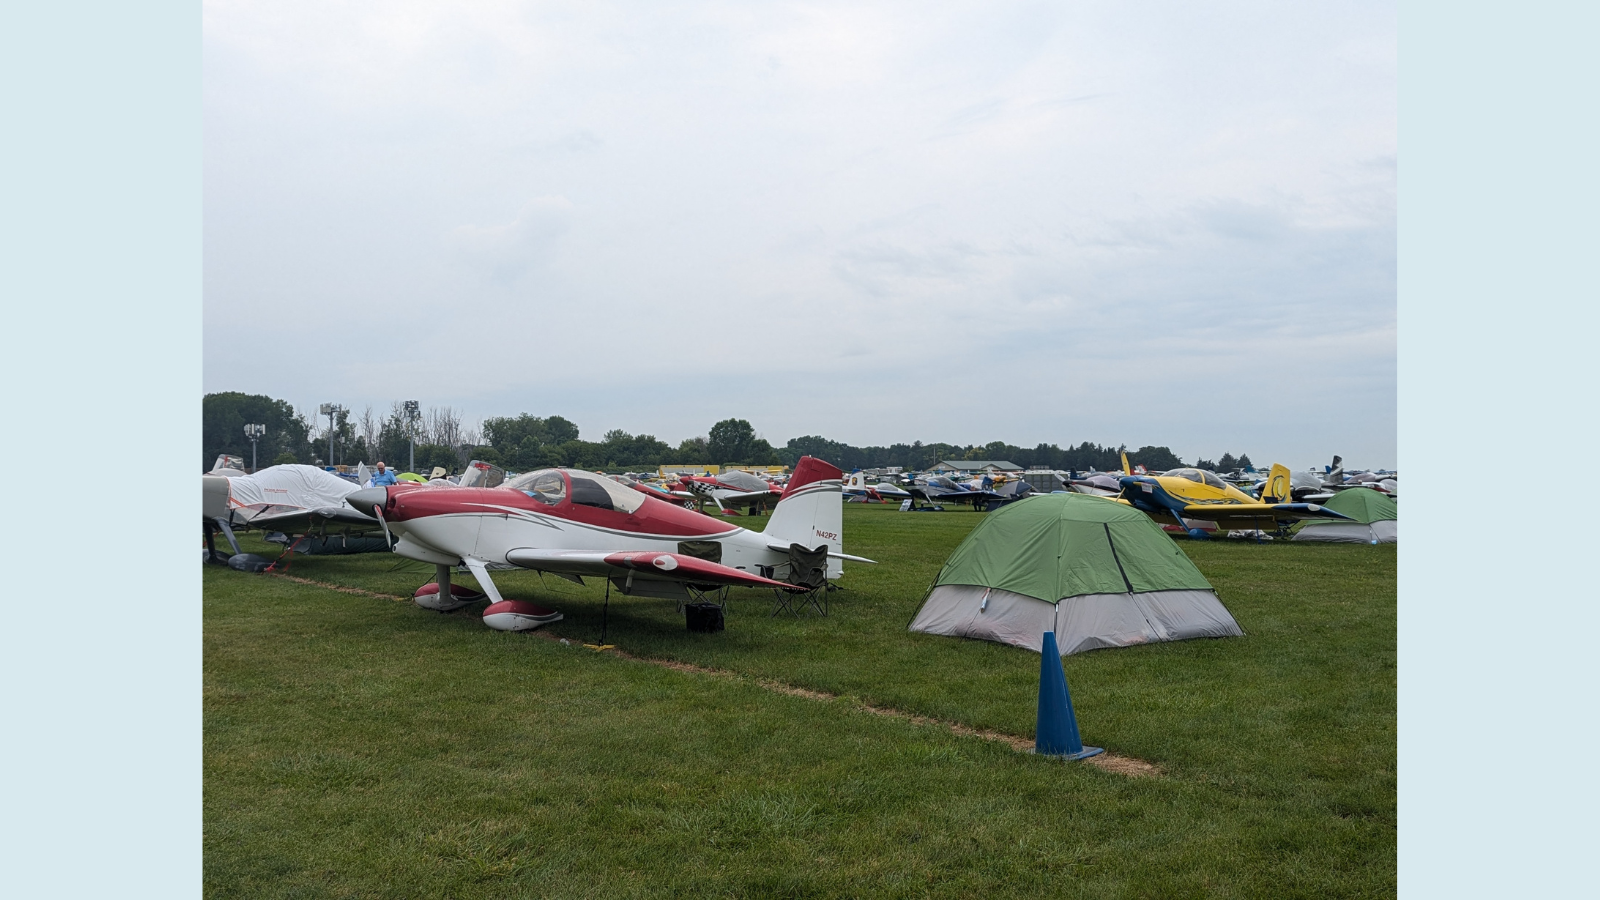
[712,552]
[807,569]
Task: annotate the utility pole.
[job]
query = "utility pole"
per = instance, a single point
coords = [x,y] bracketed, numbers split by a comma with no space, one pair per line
[254,433]
[331,410]
[413,413]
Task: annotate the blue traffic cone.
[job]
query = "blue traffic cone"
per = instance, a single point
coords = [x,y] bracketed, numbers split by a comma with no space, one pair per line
[1056,733]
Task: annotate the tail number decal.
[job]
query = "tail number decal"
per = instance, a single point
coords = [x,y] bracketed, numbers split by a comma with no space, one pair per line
[826,535]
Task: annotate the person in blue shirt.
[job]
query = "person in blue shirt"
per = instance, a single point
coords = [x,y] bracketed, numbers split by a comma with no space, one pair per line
[383,477]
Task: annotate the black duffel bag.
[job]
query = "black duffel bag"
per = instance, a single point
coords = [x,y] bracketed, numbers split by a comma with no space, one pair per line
[703,618]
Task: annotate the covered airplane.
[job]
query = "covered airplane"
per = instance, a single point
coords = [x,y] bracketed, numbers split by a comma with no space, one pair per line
[574,524]
[293,500]
[1180,495]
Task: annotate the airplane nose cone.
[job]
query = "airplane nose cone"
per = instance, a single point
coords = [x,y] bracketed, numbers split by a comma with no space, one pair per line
[364,500]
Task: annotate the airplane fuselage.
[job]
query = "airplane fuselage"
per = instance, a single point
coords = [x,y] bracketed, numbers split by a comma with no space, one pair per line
[447,527]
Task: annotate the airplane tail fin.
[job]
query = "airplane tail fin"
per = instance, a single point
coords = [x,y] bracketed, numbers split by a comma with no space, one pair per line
[811,510]
[1277,488]
[1335,472]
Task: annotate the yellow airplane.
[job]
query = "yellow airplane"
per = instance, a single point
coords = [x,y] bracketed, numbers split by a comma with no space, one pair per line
[1179,495]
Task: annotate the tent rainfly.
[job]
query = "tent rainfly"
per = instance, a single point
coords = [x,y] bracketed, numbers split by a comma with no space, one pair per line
[1376,519]
[1096,572]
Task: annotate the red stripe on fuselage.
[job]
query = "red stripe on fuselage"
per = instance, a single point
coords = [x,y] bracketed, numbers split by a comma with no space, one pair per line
[654,517]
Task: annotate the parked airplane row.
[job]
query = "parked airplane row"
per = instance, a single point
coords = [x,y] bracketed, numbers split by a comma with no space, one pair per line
[647,539]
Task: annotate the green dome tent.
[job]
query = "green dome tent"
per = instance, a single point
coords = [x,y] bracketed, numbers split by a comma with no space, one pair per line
[1096,572]
[1376,519]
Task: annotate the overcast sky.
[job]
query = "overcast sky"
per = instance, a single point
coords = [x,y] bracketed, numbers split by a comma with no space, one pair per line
[1122,223]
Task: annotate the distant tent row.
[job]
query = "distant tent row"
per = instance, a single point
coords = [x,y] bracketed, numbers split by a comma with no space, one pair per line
[1376,519]
[1096,572]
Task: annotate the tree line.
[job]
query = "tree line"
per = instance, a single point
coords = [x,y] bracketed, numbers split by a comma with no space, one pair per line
[525,442]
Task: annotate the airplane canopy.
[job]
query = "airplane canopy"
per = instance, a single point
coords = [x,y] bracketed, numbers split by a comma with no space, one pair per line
[1198,476]
[585,488]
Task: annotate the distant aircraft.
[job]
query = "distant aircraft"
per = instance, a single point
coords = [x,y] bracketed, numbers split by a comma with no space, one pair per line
[936,489]
[685,499]
[1096,484]
[1311,487]
[857,490]
[1179,495]
[733,489]
[574,524]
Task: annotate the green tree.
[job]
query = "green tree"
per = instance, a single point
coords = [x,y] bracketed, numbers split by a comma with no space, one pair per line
[430,455]
[224,415]
[729,440]
[694,451]
[1155,459]
[1227,463]
[559,431]
[529,442]
[762,454]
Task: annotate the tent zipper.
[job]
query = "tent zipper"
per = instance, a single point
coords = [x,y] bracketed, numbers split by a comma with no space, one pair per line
[1113,545]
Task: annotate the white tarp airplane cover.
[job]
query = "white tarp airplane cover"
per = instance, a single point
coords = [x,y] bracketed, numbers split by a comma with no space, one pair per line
[306,487]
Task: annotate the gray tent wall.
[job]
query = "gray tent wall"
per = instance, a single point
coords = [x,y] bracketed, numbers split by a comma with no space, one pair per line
[1383,531]
[1088,622]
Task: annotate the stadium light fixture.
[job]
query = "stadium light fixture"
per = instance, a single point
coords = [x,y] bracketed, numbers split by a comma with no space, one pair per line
[413,413]
[254,433]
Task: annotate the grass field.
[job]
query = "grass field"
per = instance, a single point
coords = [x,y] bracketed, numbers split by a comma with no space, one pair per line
[358,746]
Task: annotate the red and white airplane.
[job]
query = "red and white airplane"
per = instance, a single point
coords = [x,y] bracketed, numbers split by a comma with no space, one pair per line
[573,523]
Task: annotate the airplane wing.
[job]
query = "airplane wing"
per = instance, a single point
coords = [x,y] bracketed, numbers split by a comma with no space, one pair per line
[1221,512]
[741,498]
[969,496]
[652,565]
[294,519]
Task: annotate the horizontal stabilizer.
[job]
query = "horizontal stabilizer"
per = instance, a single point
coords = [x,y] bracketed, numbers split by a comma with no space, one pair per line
[832,554]
[653,565]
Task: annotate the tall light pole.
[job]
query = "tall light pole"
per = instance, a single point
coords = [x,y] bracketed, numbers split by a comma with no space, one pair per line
[331,410]
[254,433]
[413,413]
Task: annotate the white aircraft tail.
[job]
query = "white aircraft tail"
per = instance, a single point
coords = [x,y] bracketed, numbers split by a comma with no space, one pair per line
[811,511]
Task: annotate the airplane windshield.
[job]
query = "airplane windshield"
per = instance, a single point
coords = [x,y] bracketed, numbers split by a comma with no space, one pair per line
[482,474]
[1212,480]
[1187,474]
[545,485]
[601,492]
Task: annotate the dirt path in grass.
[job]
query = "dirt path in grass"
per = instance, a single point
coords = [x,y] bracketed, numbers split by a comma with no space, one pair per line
[1110,762]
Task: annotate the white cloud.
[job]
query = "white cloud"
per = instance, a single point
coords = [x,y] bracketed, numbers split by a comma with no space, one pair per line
[509,249]
[793,213]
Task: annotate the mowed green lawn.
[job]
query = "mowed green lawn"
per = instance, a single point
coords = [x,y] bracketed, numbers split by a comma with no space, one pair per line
[364,747]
